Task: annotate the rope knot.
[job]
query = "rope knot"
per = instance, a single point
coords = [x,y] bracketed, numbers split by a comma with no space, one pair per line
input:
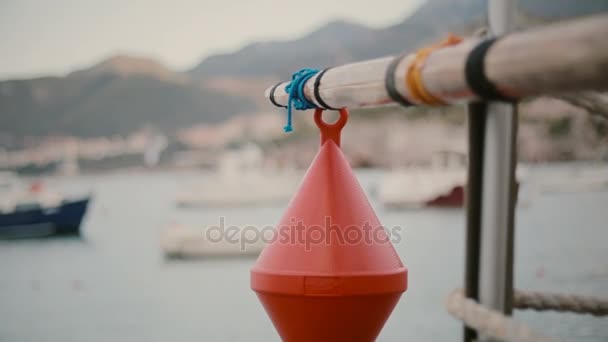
[297,99]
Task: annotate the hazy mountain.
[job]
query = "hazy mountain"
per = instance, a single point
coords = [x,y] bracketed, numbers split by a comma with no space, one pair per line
[116,96]
[328,45]
[341,42]
[130,66]
[558,9]
[122,94]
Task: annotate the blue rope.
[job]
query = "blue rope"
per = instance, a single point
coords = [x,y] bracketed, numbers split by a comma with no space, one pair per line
[295,89]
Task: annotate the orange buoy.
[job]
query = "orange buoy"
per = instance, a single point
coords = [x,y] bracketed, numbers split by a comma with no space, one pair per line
[330,273]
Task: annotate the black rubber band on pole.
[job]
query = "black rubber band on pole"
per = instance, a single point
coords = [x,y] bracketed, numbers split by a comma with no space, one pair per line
[316,93]
[389,82]
[271,97]
[475,73]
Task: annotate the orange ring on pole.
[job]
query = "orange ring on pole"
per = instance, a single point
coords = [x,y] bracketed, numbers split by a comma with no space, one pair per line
[413,79]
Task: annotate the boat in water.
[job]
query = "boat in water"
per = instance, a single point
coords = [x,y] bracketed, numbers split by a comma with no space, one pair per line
[241,179]
[185,242]
[34,212]
[440,184]
[575,179]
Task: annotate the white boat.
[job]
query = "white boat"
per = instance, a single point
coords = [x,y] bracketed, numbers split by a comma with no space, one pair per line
[589,178]
[180,241]
[14,193]
[241,180]
[440,184]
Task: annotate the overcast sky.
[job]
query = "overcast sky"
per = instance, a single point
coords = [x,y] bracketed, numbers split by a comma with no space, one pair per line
[42,37]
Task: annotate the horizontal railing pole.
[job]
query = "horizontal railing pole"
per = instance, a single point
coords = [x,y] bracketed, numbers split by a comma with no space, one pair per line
[558,58]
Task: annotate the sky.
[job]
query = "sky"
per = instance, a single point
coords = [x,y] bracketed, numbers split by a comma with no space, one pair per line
[54,37]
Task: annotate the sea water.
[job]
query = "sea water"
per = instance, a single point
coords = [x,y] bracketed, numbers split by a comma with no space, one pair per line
[114,284]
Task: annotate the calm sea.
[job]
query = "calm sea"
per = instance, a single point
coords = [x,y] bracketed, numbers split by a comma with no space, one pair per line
[115,285]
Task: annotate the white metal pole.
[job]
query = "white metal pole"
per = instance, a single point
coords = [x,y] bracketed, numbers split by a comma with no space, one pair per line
[498,185]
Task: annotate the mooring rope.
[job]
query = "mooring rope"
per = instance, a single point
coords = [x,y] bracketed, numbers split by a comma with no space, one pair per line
[540,301]
[488,322]
[493,323]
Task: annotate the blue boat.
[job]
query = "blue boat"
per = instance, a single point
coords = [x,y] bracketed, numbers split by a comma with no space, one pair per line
[35,212]
[35,221]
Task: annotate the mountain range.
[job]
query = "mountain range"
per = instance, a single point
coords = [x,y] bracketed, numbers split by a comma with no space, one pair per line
[124,93]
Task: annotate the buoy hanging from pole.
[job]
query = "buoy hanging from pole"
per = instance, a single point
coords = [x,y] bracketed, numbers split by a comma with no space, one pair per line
[331,272]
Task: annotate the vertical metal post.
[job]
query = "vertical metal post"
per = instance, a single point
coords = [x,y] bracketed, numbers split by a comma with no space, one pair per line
[492,190]
[476,121]
[499,187]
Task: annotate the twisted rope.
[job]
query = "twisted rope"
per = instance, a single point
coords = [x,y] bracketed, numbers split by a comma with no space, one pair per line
[493,323]
[489,322]
[560,302]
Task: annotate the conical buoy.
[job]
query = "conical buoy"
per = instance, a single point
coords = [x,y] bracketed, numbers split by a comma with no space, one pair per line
[330,273]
